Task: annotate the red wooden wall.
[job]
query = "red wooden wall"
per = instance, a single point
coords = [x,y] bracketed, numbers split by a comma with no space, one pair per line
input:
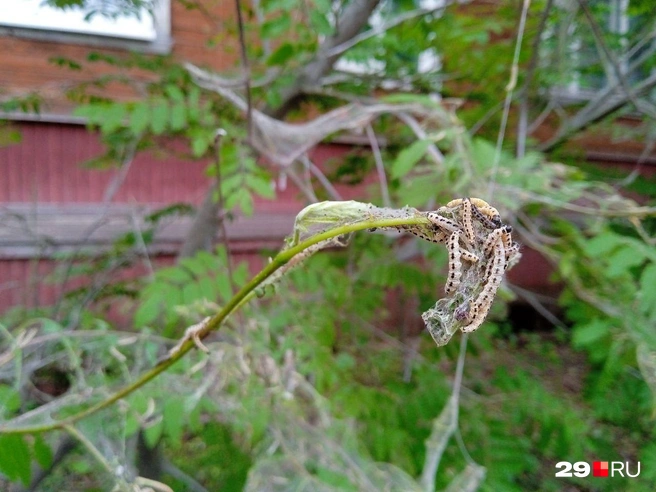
[49,202]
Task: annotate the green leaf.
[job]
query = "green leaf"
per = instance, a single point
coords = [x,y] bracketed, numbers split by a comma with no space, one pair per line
[320,23]
[42,452]
[260,186]
[160,117]
[9,137]
[623,260]
[178,117]
[194,265]
[603,244]
[224,287]
[275,27]
[191,292]
[648,290]
[273,5]
[132,424]
[590,333]
[174,418]
[483,153]
[10,400]
[207,288]
[50,326]
[246,204]
[335,479]
[112,117]
[231,184]
[174,92]
[200,142]
[209,261]
[139,118]
[153,432]
[88,111]
[281,55]
[147,312]
[193,105]
[174,274]
[15,458]
[408,157]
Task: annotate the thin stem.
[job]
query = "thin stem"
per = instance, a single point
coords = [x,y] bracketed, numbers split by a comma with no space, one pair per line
[321,177]
[247,70]
[510,88]
[96,454]
[460,367]
[380,166]
[522,127]
[222,225]
[245,294]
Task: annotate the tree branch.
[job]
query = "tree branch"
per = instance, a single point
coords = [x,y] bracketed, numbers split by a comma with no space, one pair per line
[286,258]
[605,104]
[612,66]
[522,125]
[352,19]
[347,45]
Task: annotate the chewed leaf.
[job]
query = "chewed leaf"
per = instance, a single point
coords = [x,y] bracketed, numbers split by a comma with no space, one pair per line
[323,216]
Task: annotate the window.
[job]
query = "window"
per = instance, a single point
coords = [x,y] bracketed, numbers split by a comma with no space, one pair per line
[33,19]
[578,65]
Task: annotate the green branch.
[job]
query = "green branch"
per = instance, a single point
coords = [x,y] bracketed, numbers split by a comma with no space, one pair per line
[244,295]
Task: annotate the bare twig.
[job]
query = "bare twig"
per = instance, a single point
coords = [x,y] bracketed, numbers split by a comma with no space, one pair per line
[325,182]
[108,197]
[380,166]
[509,95]
[633,211]
[119,483]
[646,151]
[605,103]
[221,207]
[142,244]
[246,69]
[445,425]
[484,119]
[349,23]
[304,187]
[522,125]
[414,125]
[266,44]
[536,304]
[541,117]
[612,65]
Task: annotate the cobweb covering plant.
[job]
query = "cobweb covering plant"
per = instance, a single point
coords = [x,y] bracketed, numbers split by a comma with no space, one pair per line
[318,226]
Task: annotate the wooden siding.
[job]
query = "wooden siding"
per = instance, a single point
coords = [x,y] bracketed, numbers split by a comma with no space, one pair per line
[50,203]
[46,168]
[43,230]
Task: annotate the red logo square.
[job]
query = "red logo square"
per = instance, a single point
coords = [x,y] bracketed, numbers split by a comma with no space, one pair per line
[600,468]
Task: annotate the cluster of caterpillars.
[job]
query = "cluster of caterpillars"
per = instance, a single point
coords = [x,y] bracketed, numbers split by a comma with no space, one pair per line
[475,235]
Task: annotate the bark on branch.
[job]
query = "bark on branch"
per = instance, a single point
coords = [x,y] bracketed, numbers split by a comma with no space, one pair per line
[351,20]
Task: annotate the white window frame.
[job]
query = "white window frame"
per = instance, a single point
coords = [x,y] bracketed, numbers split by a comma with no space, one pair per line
[155,36]
[573,93]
